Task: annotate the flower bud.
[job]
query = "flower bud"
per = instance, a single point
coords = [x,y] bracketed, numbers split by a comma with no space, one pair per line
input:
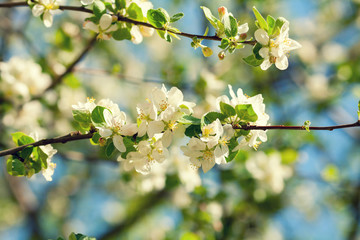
[102,142]
[146,31]
[222,11]
[114,18]
[221,55]
[207,51]
[243,36]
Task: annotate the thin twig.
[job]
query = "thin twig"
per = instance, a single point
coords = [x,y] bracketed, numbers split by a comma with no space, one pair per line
[78,136]
[283,127]
[128,20]
[73,136]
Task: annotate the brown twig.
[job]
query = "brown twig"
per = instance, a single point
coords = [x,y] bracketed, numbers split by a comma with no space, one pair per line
[283,127]
[73,136]
[128,20]
[78,136]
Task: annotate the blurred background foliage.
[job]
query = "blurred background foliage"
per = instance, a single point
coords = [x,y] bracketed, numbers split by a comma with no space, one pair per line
[92,195]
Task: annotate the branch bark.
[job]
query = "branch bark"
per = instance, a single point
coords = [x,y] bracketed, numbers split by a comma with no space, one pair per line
[128,20]
[73,136]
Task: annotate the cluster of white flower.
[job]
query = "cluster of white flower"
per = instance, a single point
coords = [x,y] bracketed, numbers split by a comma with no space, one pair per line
[20,79]
[276,49]
[162,117]
[46,9]
[106,26]
[259,107]
[269,171]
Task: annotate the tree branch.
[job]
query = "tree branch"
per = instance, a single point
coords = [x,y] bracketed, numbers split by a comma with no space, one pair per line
[283,127]
[73,136]
[128,20]
[71,67]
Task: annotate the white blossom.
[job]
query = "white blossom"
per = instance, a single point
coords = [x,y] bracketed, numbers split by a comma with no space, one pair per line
[268,170]
[21,79]
[104,28]
[87,107]
[259,108]
[148,151]
[117,127]
[49,171]
[46,8]
[276,50]
[201,153]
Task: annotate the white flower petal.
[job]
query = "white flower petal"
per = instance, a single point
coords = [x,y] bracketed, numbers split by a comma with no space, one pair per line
[119,143]
[91,26]
[48,19]
[282,62]
[265,64]
[207,165]
[105,21]
[244,28]
[37,10]
[262,37]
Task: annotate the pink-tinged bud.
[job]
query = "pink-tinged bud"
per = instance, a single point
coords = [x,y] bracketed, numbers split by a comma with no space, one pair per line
[221,55]
[222,11]
[85,23]
[243,36]
[207,51]
[102,142]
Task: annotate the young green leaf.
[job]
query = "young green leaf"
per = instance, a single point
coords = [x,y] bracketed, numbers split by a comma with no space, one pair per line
[158,17]
[97,116]
[135,12]
[26,152]
[120,4]
[271,23]
[260,19]
[15,167]
[307,125]
[211,117]
[231,26]
[213,20]
[256,50]
[188,119]
[122,34]
[224,43]
[81,116]
[99,9]
[253,61]
[227,109]
[193,131]
[109,148]
[246,113]
[176,17]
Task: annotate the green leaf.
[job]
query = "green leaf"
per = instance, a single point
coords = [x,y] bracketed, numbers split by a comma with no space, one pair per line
[120,4]
[307,125]
[129,144]
[227,109]
[158,17]
[213,20]
[288,156]
[42,156]
[188,119]
[231,26]
[80,236]
[15,167]
[109,148]
[164,35]
[176,17]
[260,19]
[246,112]
[256,50]
[271,23]
[26,152]
[20,139]
[358,112]
[224,43]
[97,116]
[193,131]
[109,6]
[253,61]
[135,12]
[95,138]
[190,236]
[211,117]
[81,116]
[99,9]
[72,81]
[122,33]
